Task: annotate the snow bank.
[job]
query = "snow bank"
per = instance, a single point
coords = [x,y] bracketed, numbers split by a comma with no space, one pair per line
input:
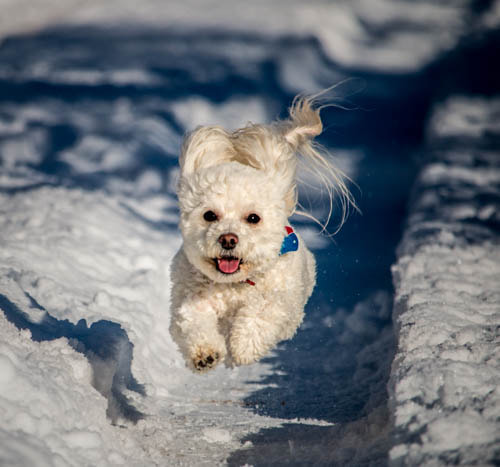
[445,378]
[51,415]
[88,135]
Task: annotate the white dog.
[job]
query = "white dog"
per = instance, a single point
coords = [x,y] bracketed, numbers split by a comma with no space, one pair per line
[242,276]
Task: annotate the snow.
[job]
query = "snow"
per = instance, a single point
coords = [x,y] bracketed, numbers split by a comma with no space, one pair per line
[350,31]
[193,112]
[86,240]
[94,99]
[215,435]
[465,117]
[446,373]
[47,381]
[85,256]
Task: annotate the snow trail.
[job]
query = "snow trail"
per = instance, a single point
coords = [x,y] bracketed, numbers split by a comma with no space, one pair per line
[89,229]
[89,135]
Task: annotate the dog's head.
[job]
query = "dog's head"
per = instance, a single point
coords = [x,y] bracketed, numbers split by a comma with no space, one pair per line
[232,214]
[237,190]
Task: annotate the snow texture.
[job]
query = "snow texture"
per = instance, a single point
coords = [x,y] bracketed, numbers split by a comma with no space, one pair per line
[94,99]
[446,374]
[391,35]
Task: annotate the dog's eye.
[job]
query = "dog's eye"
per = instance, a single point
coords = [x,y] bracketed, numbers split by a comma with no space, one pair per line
[210,216]
[253,219]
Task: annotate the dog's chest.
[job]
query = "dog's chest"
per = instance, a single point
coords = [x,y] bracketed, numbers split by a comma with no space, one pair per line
[227,299]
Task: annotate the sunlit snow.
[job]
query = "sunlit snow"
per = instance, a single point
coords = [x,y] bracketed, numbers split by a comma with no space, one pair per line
[94,100]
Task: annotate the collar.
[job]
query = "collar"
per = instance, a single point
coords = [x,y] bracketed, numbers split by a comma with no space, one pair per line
[290,243]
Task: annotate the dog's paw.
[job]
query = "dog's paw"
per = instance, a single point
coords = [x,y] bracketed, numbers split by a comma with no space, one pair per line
[245,350]
[205,358]
[246,358]
[251,339]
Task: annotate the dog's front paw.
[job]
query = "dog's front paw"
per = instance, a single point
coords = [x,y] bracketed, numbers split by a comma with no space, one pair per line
[251,339]
[244,358]
[246,349]
[205,358]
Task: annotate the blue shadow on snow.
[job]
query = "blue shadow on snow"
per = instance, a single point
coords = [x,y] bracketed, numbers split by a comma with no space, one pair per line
[105,344]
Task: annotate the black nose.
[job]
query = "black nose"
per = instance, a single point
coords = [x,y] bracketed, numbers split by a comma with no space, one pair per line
[228,241]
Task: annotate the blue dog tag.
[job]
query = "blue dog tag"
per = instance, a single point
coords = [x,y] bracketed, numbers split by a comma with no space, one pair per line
[290,242]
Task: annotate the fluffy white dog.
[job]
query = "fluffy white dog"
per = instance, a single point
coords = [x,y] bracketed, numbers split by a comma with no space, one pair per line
[242,276]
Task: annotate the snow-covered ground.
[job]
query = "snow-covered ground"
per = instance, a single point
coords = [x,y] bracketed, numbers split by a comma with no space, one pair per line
[394,35]
[446,373]
[94,99]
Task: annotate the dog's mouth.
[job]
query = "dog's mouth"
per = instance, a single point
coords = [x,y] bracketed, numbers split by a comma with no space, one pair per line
[227,264]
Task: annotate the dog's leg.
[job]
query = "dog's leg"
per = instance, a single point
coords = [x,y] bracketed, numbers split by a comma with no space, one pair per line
[194,328]
[256,331]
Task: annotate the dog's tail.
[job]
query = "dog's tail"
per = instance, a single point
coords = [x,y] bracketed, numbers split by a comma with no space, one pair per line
[299,130]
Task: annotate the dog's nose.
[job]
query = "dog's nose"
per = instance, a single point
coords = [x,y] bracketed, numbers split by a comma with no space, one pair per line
[228,241]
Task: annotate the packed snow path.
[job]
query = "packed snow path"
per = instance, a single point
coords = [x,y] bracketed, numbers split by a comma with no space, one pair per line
[91,119]
[89,226]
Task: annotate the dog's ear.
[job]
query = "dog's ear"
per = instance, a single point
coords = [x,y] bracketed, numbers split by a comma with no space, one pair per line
[298,131]
[304,123]
[204,147]
[291,199]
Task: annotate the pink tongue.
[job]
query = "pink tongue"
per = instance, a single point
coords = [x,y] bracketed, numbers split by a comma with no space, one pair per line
[228,266]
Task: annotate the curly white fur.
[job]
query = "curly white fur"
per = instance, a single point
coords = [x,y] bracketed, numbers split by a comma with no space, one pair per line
[239,314]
